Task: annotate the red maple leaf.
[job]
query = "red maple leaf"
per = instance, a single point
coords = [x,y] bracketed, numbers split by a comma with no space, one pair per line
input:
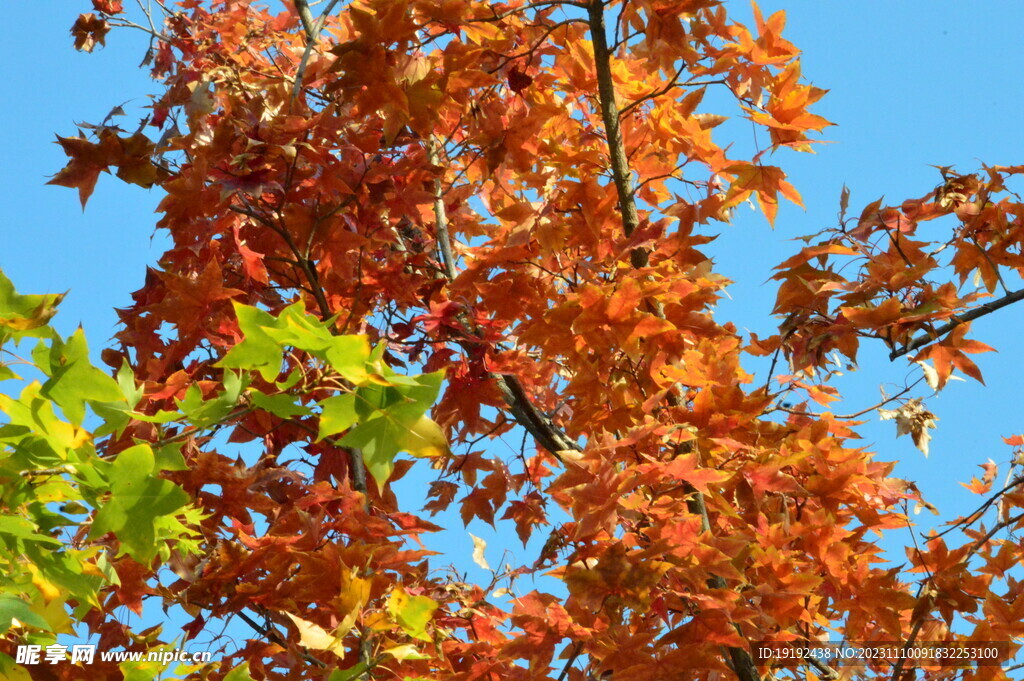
[517,80]
[108,6]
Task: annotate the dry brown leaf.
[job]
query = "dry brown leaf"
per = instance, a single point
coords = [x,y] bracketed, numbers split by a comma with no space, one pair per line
[912,418]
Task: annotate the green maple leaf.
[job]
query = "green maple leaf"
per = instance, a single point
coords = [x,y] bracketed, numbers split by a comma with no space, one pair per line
[73,380]
[137,501]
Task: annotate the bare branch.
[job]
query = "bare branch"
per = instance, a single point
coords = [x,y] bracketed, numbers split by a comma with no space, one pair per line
[312,30]
[306,17]
[440,215]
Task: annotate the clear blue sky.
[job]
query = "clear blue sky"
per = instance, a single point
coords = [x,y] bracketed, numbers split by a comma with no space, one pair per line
[912,83]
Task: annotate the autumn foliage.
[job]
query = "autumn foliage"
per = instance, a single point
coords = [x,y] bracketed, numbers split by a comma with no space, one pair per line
[520,197]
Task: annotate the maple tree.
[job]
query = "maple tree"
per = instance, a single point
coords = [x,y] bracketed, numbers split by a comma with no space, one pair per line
[519,197]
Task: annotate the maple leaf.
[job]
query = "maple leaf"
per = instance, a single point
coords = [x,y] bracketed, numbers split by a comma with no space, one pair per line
[770,478]
[984,485]
[88,160]
[527,514]
[89,30]
[442,314]
[876,316]
[135,165]
[765,183]
[477,504]
[191,298]
[315,637]
[911,417]
[517,80]
[108,6]
[787,117]
[253,264]
[951,353]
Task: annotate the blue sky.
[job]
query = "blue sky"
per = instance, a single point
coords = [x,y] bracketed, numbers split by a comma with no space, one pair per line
[911,84]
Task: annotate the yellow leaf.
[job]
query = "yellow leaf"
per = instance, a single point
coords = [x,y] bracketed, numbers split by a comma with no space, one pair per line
[411,613]
[479,546]
[406,652]
[56,615]
[425,439]
[40,315]
[355,592]
[315,637]
[16,673]
[47,588]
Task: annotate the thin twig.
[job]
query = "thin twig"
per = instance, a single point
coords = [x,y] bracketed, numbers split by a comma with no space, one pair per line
[845,417]
[991,533]
[672,82]
[572,658]
[973,517]
[495,16]
[308,268]
[274,636]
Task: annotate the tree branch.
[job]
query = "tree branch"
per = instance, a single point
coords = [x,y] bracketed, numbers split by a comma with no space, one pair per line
[977,545]
[741,661]
[357,468]
[274,636]
[440,215]
[970,315]
[306,17]
[312,30]
[539,426]
[980,511]
[621,173]
[572,658]
[824,670]
[495,16]
[897,669]
[846,417]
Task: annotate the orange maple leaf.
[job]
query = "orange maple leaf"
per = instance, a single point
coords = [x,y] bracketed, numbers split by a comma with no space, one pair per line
[765,183]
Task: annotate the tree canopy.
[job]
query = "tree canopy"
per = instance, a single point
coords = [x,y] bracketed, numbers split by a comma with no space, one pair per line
[401,229]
